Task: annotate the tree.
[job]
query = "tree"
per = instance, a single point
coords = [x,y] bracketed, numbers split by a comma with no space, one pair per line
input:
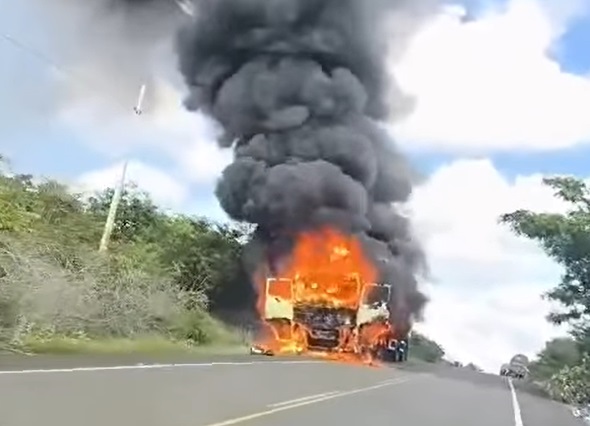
[571,383]
[564,364]
[557,354]
[566,239]
[15,211]
[425,349]
[154,281]
[136,213]
[199,255]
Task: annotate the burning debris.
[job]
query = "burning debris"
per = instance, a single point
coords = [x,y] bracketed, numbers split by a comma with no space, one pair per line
[298,87]
[326,299]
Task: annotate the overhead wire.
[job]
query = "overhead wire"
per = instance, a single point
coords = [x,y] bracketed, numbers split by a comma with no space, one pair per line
[39,55]
[186,6]
[119,188]
[66,73]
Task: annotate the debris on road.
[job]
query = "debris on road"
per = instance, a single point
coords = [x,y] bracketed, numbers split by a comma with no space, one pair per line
[258,350]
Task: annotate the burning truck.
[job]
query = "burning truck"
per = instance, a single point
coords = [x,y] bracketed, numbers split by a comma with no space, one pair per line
[326,302]
[299,90]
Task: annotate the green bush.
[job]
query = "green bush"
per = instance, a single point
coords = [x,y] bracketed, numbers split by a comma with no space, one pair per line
[572,383]
[424,349]
[156,284]
[46,292]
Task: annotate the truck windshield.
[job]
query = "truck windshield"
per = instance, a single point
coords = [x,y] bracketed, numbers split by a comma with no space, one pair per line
[327,286]
[375,294]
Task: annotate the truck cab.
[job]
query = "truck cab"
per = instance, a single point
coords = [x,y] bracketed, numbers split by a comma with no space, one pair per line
[328,320]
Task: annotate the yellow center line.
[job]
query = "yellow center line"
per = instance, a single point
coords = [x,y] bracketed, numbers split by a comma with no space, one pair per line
[305,398]
[293,405]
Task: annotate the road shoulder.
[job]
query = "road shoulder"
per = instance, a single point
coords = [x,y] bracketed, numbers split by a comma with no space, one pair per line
[539,411]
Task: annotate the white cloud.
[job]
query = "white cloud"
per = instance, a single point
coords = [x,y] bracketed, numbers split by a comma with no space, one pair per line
[487,283]
[167,191]
[490,83]
[165,128]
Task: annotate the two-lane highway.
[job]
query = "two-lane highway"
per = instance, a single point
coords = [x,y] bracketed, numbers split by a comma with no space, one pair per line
[256,392]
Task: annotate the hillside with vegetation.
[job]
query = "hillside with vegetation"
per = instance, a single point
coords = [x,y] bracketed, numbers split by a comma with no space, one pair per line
[162,277]
[562,370]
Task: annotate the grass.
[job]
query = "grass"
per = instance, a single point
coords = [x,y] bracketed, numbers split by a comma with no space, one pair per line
[146,345]
[56,302]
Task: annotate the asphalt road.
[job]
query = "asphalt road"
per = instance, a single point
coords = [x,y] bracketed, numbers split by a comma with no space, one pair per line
[253,391]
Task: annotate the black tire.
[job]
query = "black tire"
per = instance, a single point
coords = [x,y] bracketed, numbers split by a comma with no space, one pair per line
[382,354]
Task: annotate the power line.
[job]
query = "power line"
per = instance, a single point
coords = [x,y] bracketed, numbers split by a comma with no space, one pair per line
[109,224]
[39,55]
[31,51]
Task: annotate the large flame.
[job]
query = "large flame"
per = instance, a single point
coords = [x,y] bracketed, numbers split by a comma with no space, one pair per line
[326,269]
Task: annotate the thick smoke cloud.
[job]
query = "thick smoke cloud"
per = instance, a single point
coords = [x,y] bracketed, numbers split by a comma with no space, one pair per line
[298,86]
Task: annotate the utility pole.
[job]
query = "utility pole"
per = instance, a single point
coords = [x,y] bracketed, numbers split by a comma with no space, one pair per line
[110,222]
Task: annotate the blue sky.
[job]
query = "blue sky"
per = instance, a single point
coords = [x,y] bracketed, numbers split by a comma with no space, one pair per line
[501,99]
[575,41]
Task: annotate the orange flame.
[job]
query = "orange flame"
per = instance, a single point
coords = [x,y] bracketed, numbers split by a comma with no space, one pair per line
[327,269]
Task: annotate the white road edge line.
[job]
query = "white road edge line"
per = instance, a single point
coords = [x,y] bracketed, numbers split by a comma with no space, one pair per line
[515,405]
[393,381]
[144,367]
[304,403]
[268,362]
[304,398]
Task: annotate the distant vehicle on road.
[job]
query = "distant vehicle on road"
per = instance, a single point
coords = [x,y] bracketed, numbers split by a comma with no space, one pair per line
[517,368]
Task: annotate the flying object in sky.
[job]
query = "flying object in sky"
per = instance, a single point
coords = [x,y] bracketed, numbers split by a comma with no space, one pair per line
[187,6]
[138,106]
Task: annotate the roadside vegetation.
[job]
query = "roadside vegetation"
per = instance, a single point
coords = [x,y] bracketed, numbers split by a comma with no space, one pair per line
[155,291]
[424,349]
[562,369]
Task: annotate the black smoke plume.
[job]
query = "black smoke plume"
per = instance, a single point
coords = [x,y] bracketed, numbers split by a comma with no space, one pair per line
[299,86]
